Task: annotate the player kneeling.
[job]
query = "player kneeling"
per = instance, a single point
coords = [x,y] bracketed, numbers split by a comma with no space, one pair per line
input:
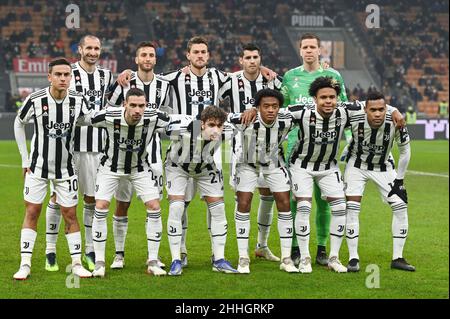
[369,158]
[191,154]
[260,159]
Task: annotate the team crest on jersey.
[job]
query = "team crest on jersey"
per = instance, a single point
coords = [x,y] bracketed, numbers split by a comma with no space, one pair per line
[338,121]
[145,130]
[386,137]
[158,93]
[102,81]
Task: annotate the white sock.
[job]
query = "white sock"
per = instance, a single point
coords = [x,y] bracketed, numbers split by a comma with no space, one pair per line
[99,233]
[174,227]
[184,223]
[120,228]
[352,228]
[399,228]
[52,222]
[88,217]
[337,226]
[285,229]
[154,233]
[74,242]
[265,216]
[302,227]
[242,221]
[208,224]
[27,240]
[218,229]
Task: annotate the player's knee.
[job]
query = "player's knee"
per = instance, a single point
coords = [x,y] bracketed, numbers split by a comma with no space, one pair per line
[89,199]
[102,205]
[244,207]
[153,205]
[304,207]
[338,207]
[399,209]
[283,204]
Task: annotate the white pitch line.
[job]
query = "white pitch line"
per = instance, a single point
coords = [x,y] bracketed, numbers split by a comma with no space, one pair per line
[427,174]
[10,166]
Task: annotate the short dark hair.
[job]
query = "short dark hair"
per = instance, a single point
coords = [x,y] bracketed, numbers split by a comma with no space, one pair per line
[249,47]
[196,40]
[309,36]
[83,38]
[213,112]
[374,95]
[268,93]
[145,44]
[134,92]
[57,61]
[324,82]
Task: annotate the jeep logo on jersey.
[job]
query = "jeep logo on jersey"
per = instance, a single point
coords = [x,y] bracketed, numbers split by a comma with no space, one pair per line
[373,148]
[58,126]
[331,135]
[304,100]
[200,93]
[129,141]
[248,101]
[94,93]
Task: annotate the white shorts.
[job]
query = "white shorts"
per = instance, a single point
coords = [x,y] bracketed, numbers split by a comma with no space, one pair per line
[329,181]
[210,183]
[35,190]
[248,178]
[86,165]
[260,182]
[124,192]
[107,183]
[355,180]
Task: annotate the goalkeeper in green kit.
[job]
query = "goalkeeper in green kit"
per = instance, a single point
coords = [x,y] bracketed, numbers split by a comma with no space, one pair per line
[295,88]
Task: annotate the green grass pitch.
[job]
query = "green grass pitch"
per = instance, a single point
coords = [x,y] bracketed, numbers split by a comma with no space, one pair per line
[427,248]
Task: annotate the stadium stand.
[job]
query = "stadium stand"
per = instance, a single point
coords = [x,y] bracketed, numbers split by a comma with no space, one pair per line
[410,50]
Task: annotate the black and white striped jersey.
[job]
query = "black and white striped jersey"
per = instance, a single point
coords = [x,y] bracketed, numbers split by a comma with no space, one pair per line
[318,137]
[95,87]
[190,94]
[261,144]
[370,148]
[188,149]
[157,97]
[51,155]
[126,146]
[242,91]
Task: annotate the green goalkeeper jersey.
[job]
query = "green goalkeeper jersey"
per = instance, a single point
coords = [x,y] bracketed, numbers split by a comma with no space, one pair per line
[295,89]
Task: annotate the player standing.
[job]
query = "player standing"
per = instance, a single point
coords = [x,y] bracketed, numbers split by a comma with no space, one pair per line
[156,94]
[295,88]
[241,91]
[94,83]
[54,112]
[369,158]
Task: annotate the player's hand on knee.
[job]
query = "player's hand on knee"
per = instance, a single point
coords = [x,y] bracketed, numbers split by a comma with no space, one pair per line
[397,188]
